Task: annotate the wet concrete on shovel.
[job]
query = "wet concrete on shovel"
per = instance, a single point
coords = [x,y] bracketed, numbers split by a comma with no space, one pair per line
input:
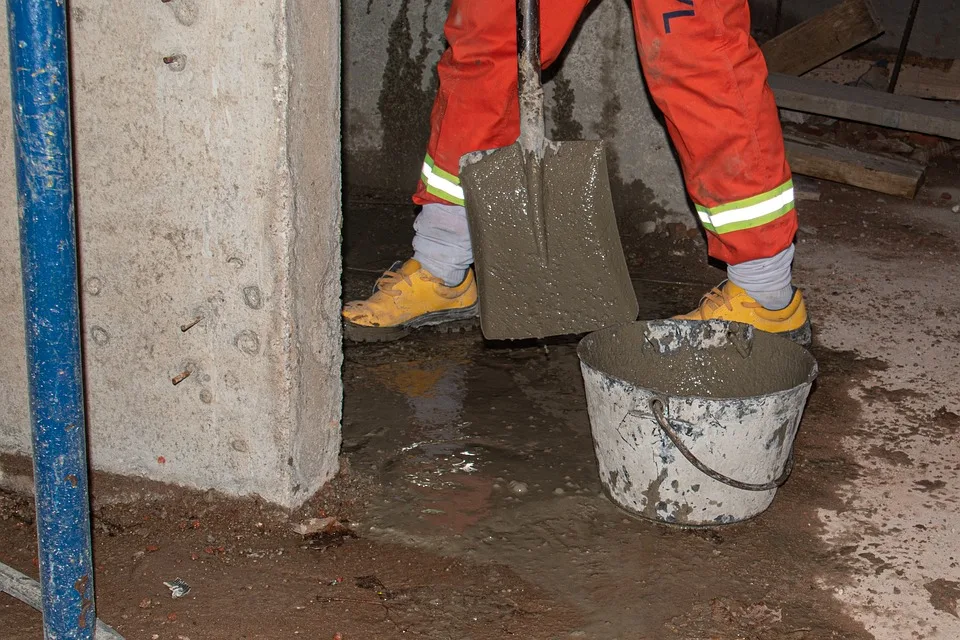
[543,228]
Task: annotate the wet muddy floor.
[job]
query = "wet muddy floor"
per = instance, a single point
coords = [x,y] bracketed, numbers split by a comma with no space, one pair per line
[470,506]
[496,464]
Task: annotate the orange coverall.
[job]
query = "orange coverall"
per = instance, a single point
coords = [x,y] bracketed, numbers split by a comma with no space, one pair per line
[705,73]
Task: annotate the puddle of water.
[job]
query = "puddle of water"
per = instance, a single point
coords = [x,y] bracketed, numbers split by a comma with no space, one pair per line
[464,413]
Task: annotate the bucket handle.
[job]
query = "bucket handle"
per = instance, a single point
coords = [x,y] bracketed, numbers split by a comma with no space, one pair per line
[657,406]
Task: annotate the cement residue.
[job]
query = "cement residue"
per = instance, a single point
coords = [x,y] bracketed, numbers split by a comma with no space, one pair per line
[531,109]
[565,126]
[652,495]
[403,104]
[686,368]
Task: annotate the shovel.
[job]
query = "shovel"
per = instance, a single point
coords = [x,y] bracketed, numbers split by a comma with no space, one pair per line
[546,245]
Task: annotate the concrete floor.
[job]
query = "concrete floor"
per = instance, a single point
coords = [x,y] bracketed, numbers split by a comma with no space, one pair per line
[862,542]
[892,297]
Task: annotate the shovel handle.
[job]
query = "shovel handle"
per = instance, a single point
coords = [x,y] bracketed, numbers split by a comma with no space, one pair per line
[529,85]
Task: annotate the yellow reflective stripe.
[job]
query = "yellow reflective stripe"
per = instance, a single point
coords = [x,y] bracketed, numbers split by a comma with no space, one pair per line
[440,172]
[749,224]
[747,202]
[444,196]
[750,212]
[441,184]
[705,220]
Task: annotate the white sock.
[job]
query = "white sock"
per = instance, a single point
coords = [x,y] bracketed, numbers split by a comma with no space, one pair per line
[767,280]
[441,243]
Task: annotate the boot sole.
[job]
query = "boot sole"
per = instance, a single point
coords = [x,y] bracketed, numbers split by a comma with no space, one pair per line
[449,321]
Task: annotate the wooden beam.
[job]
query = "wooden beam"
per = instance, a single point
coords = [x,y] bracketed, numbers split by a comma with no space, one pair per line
[865,170]
[867,105]
[821,38]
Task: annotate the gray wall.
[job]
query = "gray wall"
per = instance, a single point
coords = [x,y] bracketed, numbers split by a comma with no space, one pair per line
[209,191]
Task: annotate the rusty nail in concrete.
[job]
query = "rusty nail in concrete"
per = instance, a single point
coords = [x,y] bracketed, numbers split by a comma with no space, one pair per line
[180,377]
[176,62]
[190,325]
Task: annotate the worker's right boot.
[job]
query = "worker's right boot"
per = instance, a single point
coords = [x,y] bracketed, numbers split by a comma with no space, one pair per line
[408,297]
[731,303]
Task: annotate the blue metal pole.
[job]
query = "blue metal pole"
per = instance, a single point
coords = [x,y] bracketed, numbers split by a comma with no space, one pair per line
[48,252]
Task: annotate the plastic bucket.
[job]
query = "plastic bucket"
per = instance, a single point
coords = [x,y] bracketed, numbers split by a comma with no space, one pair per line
[693,422]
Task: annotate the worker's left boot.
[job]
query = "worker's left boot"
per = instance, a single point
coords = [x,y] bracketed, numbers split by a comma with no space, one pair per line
[733,304]
[408,297]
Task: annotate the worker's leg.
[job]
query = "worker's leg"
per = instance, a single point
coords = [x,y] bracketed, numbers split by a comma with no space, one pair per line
[709,78]
[476,109]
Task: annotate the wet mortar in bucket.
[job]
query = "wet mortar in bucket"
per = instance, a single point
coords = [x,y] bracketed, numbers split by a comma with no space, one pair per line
[694,422]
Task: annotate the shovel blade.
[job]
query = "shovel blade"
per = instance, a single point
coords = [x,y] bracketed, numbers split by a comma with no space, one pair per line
[553,269]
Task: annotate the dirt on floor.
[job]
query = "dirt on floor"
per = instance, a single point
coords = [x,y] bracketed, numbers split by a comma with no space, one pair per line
[252,576]
[469,503]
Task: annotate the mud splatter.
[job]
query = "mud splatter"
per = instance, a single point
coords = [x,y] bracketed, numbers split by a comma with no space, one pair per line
[929,486]
[944,595]
[893,456]
[652,496]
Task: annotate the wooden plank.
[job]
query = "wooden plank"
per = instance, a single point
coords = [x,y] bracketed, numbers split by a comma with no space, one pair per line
[933,78]
[867,105]
[822,38]
[940,82]
[866,170]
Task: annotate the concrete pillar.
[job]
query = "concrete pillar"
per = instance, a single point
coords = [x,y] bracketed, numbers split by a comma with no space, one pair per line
[208,166]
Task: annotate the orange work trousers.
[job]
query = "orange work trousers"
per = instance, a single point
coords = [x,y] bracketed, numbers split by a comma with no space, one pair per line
[705,73]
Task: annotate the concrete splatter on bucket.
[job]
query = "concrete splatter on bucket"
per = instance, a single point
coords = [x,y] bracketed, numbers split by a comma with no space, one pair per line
[694,422]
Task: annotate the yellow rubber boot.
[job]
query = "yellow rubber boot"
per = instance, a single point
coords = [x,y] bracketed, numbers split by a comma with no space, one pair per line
[408,297]
[731,303]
